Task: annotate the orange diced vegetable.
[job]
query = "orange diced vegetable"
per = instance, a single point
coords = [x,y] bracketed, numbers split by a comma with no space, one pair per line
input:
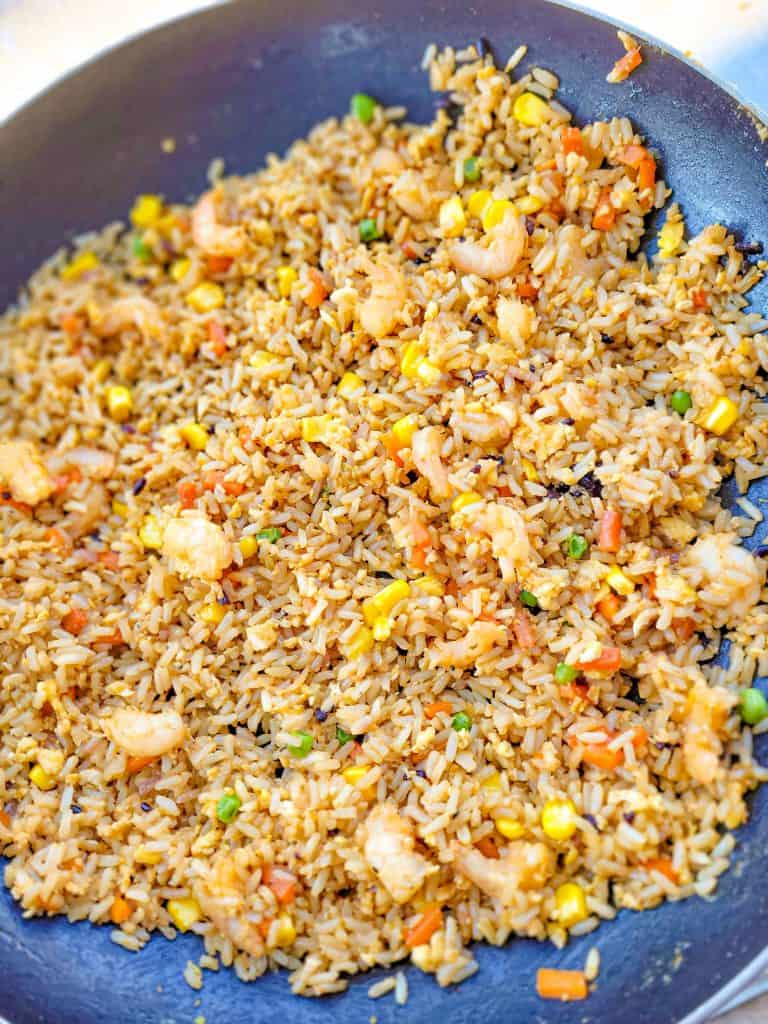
[218,338]
[317,292]
[213,478]
[604,216]
[187,492]
[487,847]
[418,559]
[426,926]
[602,757]
[608,661]
[683,628]
[75,621]
[524,632]
[437,707]
[218,264]
[663,865]
[5,819]
[503,491]
[700,299]
[282,883]
[639,737]
[646,174]
[392,446]
[420,535]
[120,911]
[565,985]
[58,539]
[408,249]
[609,538]
[135,764]
[577,691]
[65,480]
[72,325]
[264,926]
[572,140]
[113,639]
[527,291]
[633,155]
[609,606]
[624,67]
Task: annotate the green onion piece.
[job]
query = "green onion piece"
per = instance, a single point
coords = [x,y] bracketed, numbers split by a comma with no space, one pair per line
[362,107]
[272,534]
[343,736]
[227,807]
[681,402]
[754,706]
[140,249]
[529,600]
[471,169]
[461,722]
[577,546]
[369,230]
[565,673]
[304,744]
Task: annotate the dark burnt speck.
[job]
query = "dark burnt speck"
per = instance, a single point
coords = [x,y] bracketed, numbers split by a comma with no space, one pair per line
[478,323]
[762,551]
[479,375]
[530,225]
[629,817]
[452,109]
[483,47]
[749,248]
[320,715]
[75,809]
[606,339]
[592,821]
[382,574]
[128,428]
[426,256]
[412,476]
[555,491]
[568,421]
[421,773]
[139,485]
[591,485]
[145,806]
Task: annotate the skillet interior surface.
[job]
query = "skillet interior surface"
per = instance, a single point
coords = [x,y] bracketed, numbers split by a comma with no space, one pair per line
[246,79]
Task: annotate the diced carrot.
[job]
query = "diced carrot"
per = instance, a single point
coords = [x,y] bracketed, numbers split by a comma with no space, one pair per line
[218,264]
[624,67]
[527,291]
[426,926]
[20,506]
[663,865]
[58,539]
[452,588]
[609,606]
[572,140]
[135,764]
[120,911]
[392,446]
[187,492]
[633,155]
[436,707]
[5,819]
[605,758]
[577,691]
[214,478]
[650,585]
[604,216]
[565,985]
[109,559]
[65,480]
[524,632]
[556,209]
[700,299]
[487,847]
[318,292]
[75,621]
[72,325]
[683,629]
[282,883]
[639,738]
[264,926]
[408,249]
[646,174]
[420,535]
[503,491]
[113,639]
[609,537]
[608,661]
[418,559]
[218,338]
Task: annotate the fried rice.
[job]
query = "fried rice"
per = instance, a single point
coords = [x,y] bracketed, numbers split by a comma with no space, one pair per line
[363,566]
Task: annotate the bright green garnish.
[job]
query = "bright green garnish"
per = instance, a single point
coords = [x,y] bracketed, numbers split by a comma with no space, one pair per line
[565,673]
[529,600]
[681,402]
[461,722]
[471,169]
[362,107]
[272,534]
[343,736]
[577,546]
[227,807]
[304,744]
[754,706]
[369,230]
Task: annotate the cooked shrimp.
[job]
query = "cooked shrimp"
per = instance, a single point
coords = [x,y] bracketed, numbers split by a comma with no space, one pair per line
[426,446]
[523,866]
[196,547]
[386,161]
[509,538]
[208,234]
[414,196]
[23,472]
[497,254]
[731,579]
[480,638]
[389,850]
[516,321]
[145,733]
[706,711]
[484,428]
[135,311]
[381,310]
[223,897]
[93,462]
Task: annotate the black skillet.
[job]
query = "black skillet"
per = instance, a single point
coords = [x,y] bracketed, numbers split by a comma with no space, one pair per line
[239,81]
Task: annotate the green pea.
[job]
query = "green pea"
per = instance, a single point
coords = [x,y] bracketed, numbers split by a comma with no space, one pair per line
[471,169]
[577,546]
[369,230]
[565,673]
[227,807]
[754,706]
[681,402]
[461,722]
[343,736]
[362,107]
[272,534]
[529,600]
[304,744]
[140,249]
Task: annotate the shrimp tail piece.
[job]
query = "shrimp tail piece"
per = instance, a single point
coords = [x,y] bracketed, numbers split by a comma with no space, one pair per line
[389,851]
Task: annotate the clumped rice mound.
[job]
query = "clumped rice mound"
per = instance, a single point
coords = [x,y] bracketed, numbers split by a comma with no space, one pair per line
[362,556]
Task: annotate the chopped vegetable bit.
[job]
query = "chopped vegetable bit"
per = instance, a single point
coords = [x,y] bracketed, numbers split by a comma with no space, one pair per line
[227,807]
[140,249]
[286,278]
[530,110]
[404,429]
[343,736]
[369,230]
[619,582]
[529,600]
[195,435]
[350,384]
[213,613]
[271,533]
[146,212]
[558,818]
[608,661]
[120,911]
[354,773]
[461,722]
[577,546]
[304,744]
[151,534]
[478,201]
[465,500]
[362,106]
[671,236]
[385,601]
[495,212]
[753,706]
[80,265]
[248,546]
[179,269]
[184,913]
[528,205]
[564,985]
[430,585]
[565,673]
[680,402]
[609,538]
[40,777]
[571,904]
[624,67]
[361,643]
[119,402]
[425,927]
[452,218]
[721,415]
[510,828]
[206,297]
[471,169]
[282,883]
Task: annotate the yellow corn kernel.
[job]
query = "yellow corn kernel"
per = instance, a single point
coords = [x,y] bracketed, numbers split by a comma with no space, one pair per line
[145,856]
[361,642]
[619,582]
[119,402]
[478,201]
[286,277]
[147,211]
[382,628]
[212,614]
[495,212]
[206,297]
[184,913]
[150,533]
[248,546]
[167,223]
[119,508]
[452,218]
[571,904]
[195,435]
[179,269]
[404,429]
[431,311]
[349,384]
[412,354]
[385,601]
[671,238]
[261,358]
[80,265]
[529,204]
[530,109]
[427,372]
[317,428]
[285,933]
[464,500]
[40,777]
[558,818]
[530,471]
[721,415]
[492,783]
[510,828]
[430,585]
[354,774]
[101,370]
